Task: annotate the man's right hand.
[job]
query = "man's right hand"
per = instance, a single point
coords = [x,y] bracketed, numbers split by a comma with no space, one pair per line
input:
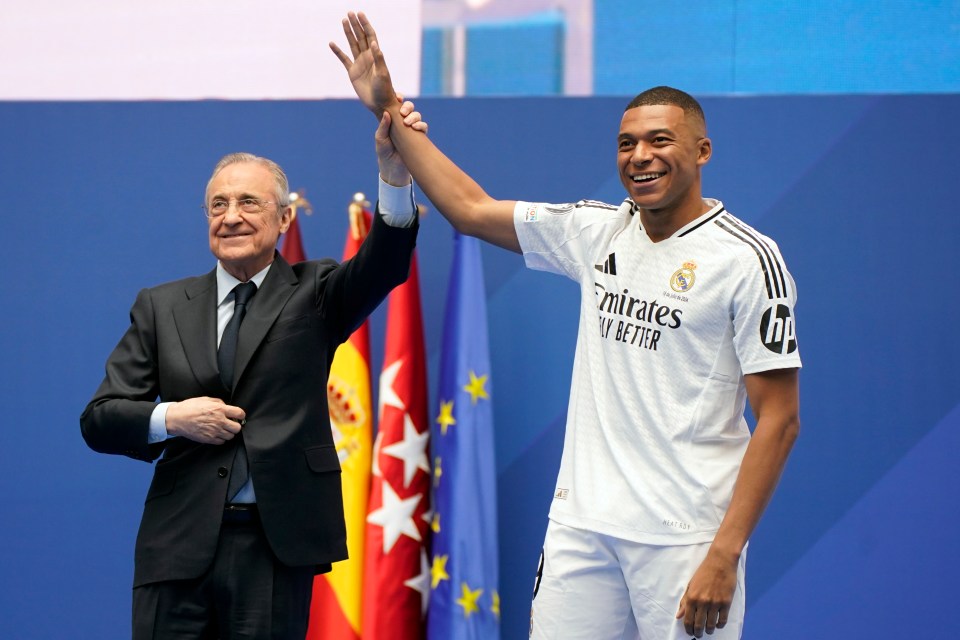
[367,69]
[205,420]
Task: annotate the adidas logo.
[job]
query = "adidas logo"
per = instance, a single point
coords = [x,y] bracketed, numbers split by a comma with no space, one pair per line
[609,265]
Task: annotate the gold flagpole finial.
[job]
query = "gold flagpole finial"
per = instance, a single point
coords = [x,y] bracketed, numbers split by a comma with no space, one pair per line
[358,223]
[298,200]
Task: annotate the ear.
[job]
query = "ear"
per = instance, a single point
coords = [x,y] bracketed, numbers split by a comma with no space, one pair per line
[286,219]
[704,151]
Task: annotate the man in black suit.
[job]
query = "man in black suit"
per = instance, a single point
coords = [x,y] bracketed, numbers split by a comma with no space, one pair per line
[245,504]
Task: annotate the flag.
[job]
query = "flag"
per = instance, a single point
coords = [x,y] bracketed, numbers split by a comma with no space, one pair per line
[396,583]
[464,602]
[335,610]
[292,249]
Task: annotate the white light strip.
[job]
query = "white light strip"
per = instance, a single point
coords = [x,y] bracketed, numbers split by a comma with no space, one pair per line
[191,49]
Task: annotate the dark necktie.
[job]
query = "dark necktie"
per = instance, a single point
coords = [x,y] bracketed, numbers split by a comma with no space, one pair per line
[227,353]
[226,357]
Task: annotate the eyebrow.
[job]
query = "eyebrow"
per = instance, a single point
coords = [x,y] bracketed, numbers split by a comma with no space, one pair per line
[241,196]
[647,134]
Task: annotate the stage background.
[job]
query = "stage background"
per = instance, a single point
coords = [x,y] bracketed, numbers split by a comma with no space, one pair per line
[847,160]
[102,199]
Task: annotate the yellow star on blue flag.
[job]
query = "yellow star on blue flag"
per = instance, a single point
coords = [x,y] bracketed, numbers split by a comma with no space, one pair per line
[476,387]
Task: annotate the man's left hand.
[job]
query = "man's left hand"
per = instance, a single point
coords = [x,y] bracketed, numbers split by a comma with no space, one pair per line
[706,603]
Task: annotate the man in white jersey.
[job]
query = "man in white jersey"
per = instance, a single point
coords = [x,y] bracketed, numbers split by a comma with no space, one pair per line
[686,313]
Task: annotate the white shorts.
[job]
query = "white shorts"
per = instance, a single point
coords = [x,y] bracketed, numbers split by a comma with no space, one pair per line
[595,586]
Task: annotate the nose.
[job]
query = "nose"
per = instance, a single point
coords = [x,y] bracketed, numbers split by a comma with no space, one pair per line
[641,154]
[232,216]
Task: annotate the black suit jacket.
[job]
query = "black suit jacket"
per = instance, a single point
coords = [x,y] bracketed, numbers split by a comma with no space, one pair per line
[294,323]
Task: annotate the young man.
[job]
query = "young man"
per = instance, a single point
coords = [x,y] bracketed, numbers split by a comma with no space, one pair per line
[686,312]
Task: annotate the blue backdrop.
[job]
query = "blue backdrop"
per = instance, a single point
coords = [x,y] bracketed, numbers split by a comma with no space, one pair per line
[716,47]
[102,199]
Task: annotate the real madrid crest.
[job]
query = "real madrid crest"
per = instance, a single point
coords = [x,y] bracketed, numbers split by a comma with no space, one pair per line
[682,279]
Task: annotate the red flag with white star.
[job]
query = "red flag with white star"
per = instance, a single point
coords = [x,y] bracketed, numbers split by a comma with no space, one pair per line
[396,584]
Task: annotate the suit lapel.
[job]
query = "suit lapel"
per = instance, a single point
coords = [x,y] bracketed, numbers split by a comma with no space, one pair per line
[263,310]
[196,319]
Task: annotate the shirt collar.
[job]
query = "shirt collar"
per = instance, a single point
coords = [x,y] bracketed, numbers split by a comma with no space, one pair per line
[226,282]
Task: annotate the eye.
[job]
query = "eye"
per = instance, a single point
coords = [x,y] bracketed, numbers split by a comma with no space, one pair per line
[219,206]
[249,205]
[624,145]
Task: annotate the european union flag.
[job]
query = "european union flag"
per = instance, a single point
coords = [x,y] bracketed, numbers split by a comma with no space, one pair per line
[464,600]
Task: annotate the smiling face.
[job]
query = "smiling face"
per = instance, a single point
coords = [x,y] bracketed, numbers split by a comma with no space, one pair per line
[244,242]
[660,150]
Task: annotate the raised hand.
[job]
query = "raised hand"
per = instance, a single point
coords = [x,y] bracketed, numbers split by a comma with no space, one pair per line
[411,117]
[392,168]
[366,67]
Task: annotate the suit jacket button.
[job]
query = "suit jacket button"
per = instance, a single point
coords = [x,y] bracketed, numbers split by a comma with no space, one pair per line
[223,472]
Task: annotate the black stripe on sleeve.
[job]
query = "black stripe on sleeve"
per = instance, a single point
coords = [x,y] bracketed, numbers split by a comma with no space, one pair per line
[763,263]
[779,281]
[597,205]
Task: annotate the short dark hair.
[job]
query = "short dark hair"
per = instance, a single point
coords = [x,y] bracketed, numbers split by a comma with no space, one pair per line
[671,96]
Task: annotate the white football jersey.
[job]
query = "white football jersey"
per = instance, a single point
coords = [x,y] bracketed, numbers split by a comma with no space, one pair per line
[655,428]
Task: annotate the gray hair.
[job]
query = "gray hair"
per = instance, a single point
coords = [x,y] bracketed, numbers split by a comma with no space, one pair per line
[280,178]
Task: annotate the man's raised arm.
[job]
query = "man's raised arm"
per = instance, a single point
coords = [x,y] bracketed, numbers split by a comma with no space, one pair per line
[455,194]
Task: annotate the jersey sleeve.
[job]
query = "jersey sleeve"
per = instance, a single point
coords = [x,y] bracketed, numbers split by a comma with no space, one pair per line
[764,321]
[555,237]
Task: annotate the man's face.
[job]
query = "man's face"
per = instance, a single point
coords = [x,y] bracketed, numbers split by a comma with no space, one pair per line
[244,242]
[659,155]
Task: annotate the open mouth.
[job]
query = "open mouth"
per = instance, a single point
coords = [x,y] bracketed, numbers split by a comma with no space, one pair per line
[643,178]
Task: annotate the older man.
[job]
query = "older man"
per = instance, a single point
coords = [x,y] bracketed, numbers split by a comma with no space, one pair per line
[245,504]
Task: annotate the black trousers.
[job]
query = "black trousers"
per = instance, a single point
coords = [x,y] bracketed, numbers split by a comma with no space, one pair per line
[246,593]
